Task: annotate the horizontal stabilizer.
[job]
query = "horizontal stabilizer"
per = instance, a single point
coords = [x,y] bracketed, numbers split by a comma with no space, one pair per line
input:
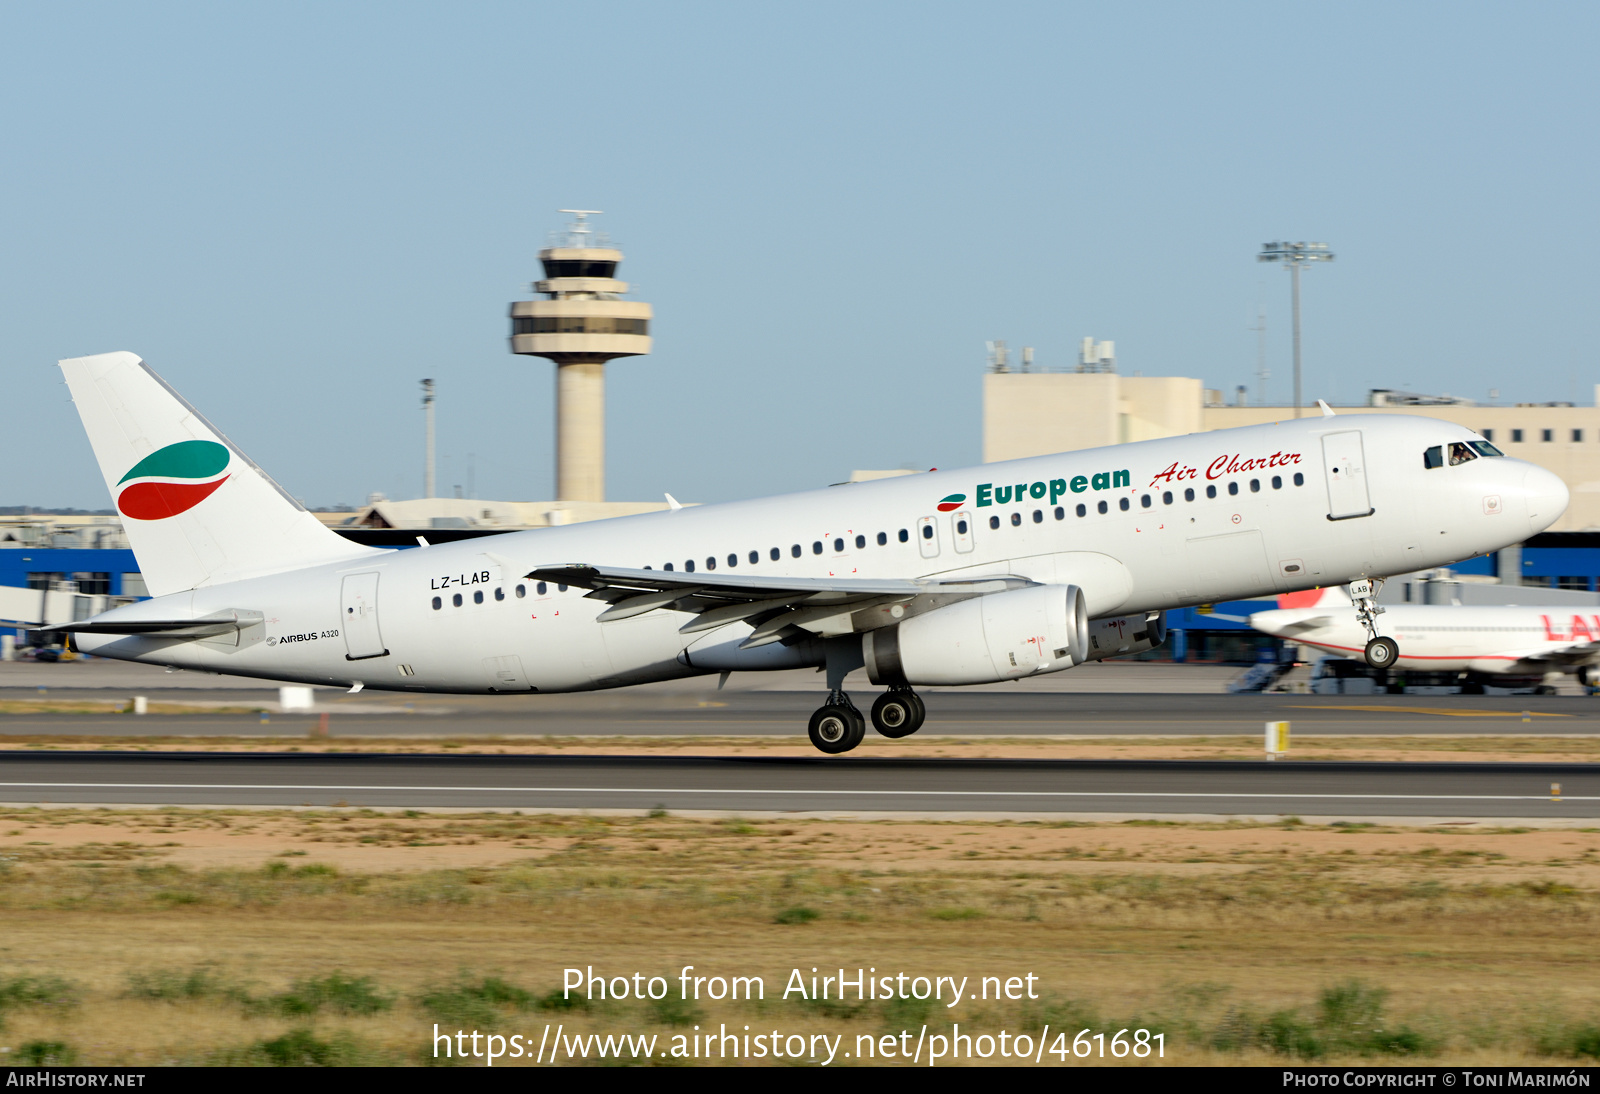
[204,627]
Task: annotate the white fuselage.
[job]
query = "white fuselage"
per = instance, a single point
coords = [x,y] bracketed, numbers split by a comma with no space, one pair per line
[1500,639]
[461,617]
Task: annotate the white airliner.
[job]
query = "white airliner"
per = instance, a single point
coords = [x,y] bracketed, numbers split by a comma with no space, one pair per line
[1500,639]
[955,577]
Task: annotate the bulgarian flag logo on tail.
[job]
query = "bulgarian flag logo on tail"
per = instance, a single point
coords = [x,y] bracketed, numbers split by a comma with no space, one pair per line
[172,480]
[952,503]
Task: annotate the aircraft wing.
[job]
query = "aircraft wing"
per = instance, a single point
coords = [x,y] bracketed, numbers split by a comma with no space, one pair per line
[772,604]
[1579,653]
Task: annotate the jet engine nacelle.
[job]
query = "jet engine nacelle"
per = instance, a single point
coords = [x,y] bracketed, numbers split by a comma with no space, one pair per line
[1125,634]
[1001,636]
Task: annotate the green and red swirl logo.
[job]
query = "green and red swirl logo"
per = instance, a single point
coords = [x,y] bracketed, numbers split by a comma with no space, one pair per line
[172,480]
[952,503]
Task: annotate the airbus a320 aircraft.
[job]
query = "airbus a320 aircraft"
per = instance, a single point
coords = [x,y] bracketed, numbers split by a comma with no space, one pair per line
[956,577]
[1500,639]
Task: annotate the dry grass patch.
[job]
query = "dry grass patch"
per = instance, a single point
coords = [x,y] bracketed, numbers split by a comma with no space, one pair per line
[149,936]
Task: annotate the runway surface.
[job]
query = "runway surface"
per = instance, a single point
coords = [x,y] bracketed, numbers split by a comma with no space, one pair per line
[985,713]
[804,785]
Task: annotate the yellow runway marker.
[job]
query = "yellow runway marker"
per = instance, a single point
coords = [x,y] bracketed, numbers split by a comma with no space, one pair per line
[1445,711]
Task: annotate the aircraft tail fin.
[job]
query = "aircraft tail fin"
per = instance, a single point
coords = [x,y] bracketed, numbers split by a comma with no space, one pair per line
[1329,596]
[197,511]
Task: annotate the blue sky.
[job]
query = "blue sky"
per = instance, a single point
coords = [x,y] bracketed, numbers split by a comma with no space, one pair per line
[294,212]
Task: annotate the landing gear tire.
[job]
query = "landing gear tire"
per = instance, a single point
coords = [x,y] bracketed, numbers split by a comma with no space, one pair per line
[1382,653]
[898,713]
[836,728]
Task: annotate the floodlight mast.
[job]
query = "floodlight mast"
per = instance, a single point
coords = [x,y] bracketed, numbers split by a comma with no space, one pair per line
[1294,256]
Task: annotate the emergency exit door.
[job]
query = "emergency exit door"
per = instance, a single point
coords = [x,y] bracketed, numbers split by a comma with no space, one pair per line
[359,610]
[1345,467]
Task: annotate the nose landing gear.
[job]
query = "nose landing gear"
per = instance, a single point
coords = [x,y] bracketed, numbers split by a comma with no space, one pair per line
[1381,652]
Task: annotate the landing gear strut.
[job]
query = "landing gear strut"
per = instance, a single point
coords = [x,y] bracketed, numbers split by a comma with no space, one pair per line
[838,726]
[898,712]
[1381,652]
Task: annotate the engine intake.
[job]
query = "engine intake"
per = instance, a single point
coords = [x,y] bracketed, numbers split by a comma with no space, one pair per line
[1002,636]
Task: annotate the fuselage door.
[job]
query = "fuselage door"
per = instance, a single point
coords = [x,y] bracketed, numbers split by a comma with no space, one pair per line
[359,612]
[963,532]
[928,537]
[1345,467]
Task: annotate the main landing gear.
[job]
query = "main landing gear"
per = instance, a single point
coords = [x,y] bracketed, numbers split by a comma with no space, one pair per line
[1381,652]
[838,726]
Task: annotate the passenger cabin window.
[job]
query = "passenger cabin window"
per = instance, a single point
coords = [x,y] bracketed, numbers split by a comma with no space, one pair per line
[1211,491]
[883,538]
[689,565]
[437,603]
[1277,482]
[456,600]
[1038,516]
[1061,513]
[1016,519]
[1460,453]
[1083,510]
[1255,486]
[755,556]
[1122,503]
[838,545]
[522,591]
[1166,497]
[905,536]
[711,563]
[1233,488]
[1188,494]
[775,554]
[795,550]
[816,546]
[1299,479]
[499,594]
[861,541]
[1102,507]
[994,522]
[1144,501]
[733,560]
[1433,457]
[477,597]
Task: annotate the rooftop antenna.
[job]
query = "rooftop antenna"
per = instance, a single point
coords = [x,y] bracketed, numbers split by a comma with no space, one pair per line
[427,416]
[999,357]
[578,232]
[1262,374]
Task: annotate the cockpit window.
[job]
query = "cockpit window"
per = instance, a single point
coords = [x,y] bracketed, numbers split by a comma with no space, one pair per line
[1461,452]
[1484,448]
[1433,457]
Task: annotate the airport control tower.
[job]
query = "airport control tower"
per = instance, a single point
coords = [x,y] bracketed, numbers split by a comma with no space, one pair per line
[581,323]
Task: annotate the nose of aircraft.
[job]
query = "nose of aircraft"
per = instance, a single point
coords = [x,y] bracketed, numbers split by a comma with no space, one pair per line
[1547,498]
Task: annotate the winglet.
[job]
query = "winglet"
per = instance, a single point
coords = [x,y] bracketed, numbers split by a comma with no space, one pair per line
[673,502]
[1327,411]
